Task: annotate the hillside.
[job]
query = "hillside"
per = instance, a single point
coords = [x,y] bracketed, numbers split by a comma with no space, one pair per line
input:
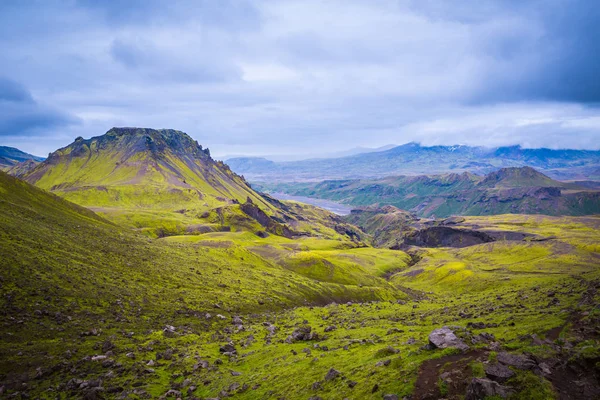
[414,159]
[160,181]
[9,157]
[93,310]
[508,190]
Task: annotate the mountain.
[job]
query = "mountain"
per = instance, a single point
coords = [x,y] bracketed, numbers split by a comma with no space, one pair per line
[140,167]
[297,157]
[509,190]
[9,156]
[164,183]
[414,159]
[131,175]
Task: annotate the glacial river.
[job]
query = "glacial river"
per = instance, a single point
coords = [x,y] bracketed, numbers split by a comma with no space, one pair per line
[334,207]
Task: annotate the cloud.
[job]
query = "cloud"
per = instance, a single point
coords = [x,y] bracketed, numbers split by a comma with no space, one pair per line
[299,75]
[20,115]
[14,92]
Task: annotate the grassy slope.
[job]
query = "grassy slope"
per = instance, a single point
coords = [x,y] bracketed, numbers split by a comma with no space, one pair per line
[66,271]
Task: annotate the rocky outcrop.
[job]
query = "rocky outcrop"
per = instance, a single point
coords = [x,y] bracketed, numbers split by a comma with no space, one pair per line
[444,236]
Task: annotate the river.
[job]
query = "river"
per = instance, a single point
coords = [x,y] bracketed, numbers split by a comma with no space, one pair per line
[334,207]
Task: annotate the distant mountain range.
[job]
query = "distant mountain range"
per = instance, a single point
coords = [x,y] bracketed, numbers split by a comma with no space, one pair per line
[298,157]
[414,159]
[507,191]
[9,157]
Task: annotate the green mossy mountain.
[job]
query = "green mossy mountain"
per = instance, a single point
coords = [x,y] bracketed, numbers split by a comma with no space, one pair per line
[508,190]
[161,182]
[140,167]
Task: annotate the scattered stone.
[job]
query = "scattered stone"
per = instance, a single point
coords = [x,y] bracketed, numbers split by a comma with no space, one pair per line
[383,363]
[481,388]
[516,360]
[444,337]
[228,348]
[390,397]
[332,374]
[304,333]
[351,384]
[235,373]
[173,393]
[498,372]
[237,321]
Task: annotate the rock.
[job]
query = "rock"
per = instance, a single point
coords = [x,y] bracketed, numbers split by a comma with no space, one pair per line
[332,374]
[237,321]
[351,384]
[317,385]
[235,373]
[130,355]
[476,325]
[481,388]
[303,333]
[498,372]
[383,363]
[228,348]
[330,328]
[516,360]
[390,397]
[173,393]
[444,337]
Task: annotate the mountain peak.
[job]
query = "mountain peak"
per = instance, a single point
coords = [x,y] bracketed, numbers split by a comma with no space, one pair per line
[518,177]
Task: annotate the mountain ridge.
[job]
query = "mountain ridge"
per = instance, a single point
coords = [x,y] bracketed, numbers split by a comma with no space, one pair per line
[414,159]
[11,156]
[508,190]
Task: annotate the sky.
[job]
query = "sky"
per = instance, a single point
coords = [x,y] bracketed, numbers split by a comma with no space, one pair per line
[306,77]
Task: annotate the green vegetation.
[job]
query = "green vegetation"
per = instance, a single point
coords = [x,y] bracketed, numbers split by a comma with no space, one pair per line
[159,295]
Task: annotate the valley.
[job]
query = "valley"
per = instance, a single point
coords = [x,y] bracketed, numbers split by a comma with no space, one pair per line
[135,266]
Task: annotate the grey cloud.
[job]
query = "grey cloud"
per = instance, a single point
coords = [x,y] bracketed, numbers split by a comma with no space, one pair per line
[304,74]
[13,91]
[21,115]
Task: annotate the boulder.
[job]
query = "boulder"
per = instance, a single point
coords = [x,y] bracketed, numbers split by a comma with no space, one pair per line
[444,337]
[498,372]
[516,360]
[481,388]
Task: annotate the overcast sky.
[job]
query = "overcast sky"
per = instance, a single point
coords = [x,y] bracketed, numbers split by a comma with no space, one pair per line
[302,77]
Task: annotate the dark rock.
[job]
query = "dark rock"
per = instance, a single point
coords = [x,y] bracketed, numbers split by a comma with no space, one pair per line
[173,393]
[332,374]
[390,397]
[498,372]
[304,333]
[481,388]
[516,360]
[228,348]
